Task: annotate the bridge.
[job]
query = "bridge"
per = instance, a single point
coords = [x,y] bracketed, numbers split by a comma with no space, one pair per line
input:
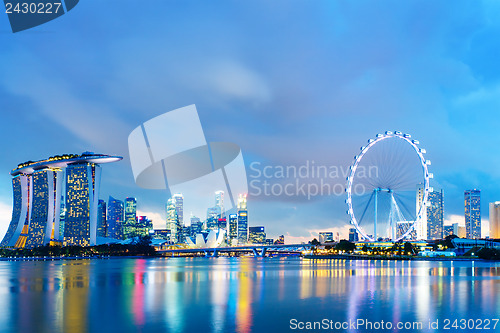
[257,250]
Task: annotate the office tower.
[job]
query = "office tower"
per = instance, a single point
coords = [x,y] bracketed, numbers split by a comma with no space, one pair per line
[281,240]
[115,218]
[495,220]
[462,232]
[102,224]
[256,235]
[473,214]
[213,214]
[179,207]
[233,228]
[421,225]
[144,226]
[353,235]
[56,195]
[326,237]
[130,222]
[219,202]
[242,219]
[173,223]
[435,215]
[451,229]
[222,223]
[196,225]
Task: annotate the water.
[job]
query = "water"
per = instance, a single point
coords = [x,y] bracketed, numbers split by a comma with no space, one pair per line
[240,294]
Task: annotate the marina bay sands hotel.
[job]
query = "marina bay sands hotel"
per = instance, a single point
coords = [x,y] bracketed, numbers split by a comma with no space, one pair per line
[41,188]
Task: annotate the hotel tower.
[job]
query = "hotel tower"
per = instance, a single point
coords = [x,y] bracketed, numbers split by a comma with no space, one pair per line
[37,190]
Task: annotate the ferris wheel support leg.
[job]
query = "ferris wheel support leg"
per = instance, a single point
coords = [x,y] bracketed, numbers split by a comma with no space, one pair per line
[375,219]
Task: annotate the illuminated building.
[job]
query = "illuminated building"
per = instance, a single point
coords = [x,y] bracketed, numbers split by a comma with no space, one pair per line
[213,214]
[256,235]
[435,215]
[353,235]
[58,189]
[174,214]
[326,237]
[102,225]
[196,225]
[144,226]
[115,218]
[45,205]
[242,220]
[22,190]
[130,222]
[495,220]
[269,241]
[450,230]
[233,228]
[219,202]
[473,214]
[280,240]
[82,190]
[421,226]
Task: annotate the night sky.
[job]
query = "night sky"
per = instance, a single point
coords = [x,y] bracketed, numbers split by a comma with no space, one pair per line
[288,81]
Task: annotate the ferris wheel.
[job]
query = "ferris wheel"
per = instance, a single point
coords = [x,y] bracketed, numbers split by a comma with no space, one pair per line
[388,187]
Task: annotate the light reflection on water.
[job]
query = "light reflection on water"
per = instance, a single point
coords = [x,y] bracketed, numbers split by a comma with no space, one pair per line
[237,295]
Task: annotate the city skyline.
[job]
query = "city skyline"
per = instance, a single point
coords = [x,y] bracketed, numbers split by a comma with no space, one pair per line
[319,106]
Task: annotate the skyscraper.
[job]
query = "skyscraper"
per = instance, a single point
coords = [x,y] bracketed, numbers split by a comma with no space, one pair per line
[495,220]
[196,225]
[473,214]
[130,222]
[82,191]
[256,235]
[174,210]
[233,228]
[219,202]
[102,224]
[213,214]
[435,215]
[47,192]
[353,235]
[179,207]
[22,189]
[421,225]
[115,218]
[242,219]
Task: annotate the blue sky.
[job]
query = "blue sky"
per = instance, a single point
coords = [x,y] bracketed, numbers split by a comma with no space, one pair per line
[289,81]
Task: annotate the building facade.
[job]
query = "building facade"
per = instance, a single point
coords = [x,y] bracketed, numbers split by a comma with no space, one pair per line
[326,237]
[495,220]
[472,205]
[130,218]
[55,201]
[115,218]
[256,235]
[435,215]
[242,220]
[353,235]
[102,223]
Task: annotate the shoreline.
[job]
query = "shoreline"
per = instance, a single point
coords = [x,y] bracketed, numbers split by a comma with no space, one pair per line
[398,258]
